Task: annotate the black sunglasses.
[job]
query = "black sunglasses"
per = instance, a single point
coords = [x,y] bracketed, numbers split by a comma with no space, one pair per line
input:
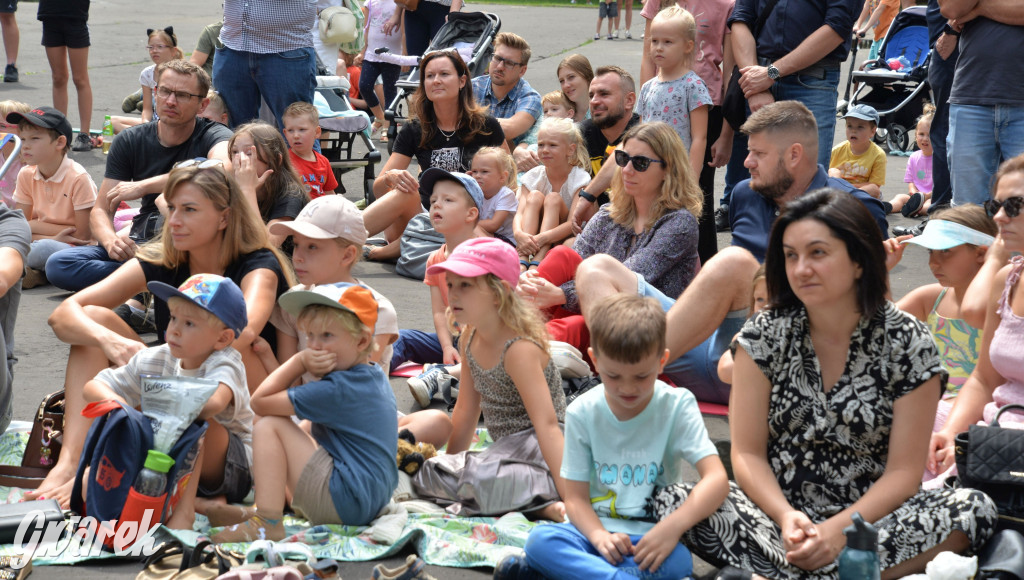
[1010,205]
[640,163]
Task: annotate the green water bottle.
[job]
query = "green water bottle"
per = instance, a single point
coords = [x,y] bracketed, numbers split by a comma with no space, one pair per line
[108,134]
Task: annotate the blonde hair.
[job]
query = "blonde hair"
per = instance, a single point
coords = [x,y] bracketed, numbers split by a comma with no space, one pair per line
[272,149]
[9,106]
[244,234]
[196,311]
[627,327]
[759,276]
[168,36]
[558,98]
[515,42]
[686,21]
[523,319]
[567,129]
[504,161]
[218,104]
[301,109]
[679,190]
[317,317]
[927,114]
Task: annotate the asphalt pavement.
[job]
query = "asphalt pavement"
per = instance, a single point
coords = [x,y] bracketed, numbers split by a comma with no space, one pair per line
[117,56]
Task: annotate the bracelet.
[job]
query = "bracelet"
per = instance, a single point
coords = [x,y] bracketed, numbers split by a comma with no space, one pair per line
[947,29]
[583,194]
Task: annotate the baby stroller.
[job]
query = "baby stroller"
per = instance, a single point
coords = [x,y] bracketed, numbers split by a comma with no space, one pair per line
[897,95]
[464,31]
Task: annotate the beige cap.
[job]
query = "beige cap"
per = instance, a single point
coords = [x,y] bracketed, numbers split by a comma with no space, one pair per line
[326,217]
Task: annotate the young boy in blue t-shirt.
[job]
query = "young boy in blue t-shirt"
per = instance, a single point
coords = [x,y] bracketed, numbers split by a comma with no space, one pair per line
[624,439]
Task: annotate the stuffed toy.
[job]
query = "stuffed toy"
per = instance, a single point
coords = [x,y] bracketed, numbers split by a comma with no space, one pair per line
[412,455]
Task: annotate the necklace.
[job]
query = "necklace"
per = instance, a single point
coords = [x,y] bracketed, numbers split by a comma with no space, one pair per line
[446,134]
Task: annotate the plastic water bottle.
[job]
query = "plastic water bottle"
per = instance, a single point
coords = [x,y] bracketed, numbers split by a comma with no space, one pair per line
[149,491]
[108,134]
[859,559]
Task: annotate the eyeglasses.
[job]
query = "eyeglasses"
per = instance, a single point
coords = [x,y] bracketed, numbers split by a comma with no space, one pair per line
[199,162]
[506,62]
[153,47]
[1011,205]
[164,93]
[640,163]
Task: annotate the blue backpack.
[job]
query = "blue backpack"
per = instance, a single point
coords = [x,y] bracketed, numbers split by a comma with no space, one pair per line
[115,450]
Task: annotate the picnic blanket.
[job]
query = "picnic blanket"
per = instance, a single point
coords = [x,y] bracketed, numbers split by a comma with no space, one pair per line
[441,539]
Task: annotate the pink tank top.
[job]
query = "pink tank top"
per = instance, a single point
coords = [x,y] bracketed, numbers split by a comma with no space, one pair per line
[1005,352]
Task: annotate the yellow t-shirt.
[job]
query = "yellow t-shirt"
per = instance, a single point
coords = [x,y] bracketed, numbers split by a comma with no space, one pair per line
[859,169]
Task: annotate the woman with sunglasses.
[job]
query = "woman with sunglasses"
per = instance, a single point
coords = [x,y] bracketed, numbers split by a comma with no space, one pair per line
[649,227]
[446,129]
[210,228]
[998,377]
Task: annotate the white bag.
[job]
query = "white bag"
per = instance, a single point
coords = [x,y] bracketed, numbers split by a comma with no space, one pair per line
[338,25]
[569,360]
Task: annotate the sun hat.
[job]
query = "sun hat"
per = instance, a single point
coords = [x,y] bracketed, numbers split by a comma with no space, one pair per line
[217,295]
[45,117]
[863,112]
[479,256]
[430,177]
[344,296]
[326,217]
[941,234]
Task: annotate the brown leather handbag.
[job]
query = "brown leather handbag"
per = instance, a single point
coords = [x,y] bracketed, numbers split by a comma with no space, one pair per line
[43,447]
[410,5]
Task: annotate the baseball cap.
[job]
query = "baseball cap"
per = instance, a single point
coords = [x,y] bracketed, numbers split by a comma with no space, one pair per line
[864,112]
[326,217]
[479,256]
[45,117]
[431,176]
[217,295]
[351,297]
[940,234]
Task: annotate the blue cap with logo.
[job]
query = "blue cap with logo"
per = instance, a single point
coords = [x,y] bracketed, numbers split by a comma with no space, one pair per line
[431,176]
[217,295]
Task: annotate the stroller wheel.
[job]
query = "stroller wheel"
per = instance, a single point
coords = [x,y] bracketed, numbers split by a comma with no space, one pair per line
[898,138]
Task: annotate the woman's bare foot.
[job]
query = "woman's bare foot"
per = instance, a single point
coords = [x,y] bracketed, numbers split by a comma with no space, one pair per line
[222,514]
[53,485]
[554,512]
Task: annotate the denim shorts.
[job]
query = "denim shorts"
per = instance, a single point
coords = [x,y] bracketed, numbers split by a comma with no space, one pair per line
[608,10]
[237,481]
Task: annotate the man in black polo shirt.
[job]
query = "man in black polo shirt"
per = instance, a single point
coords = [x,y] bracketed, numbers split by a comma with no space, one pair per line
[612,97]
[137,167]
[796,56]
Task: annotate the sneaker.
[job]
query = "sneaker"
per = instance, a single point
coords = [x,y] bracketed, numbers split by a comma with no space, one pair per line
[597,37]
[514,567]
[629,35]
[610,37]
[915,231]
[413,569]
[82,143]
[722,218]
[11,74]
[140,321]
[913,204]
[33,278]
[616,33]
[429,383]
[131,102]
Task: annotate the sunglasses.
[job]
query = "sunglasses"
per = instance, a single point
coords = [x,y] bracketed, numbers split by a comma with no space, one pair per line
[200,162]
[640,163]
[1011,205]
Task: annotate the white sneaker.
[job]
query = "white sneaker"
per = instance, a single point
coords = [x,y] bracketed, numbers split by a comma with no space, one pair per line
[616,33]
[429,383]
[629,34]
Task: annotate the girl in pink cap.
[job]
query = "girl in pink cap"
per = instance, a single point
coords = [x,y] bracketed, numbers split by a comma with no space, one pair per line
[513,381]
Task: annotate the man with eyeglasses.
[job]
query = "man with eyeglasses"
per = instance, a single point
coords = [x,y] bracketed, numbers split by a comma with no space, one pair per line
[512,100]
[140,159]
[783,142]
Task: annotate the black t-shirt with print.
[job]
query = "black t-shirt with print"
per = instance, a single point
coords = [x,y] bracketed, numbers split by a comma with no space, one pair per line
[450,154]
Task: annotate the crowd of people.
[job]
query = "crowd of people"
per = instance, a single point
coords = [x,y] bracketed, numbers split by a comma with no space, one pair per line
[584,216]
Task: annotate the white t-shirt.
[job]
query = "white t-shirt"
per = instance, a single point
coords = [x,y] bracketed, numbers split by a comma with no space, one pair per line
[387,323]
[537,179]
[625,460]
[504,200]
[224,366]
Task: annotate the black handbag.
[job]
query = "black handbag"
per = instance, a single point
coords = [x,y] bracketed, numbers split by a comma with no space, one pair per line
[1002,558]
[734,104]
[990,459]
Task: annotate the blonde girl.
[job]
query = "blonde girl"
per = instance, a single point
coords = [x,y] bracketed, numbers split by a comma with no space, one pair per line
[162,45]
[957,240]
[758,302]
[512,380]
[677,95]
[549,190]
[918,176]
[574,76]
[10,179]
[495,171]
[259,158]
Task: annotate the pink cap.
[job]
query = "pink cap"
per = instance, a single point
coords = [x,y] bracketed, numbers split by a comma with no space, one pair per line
[480,256]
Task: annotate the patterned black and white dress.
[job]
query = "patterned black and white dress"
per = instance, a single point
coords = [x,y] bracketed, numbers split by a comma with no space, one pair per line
[827,449]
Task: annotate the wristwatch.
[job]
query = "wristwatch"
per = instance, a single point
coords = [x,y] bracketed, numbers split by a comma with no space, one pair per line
[587,196]
[773,73]
[947,29]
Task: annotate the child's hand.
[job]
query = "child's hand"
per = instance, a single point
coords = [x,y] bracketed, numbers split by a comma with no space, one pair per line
[656,545]
[894,248]
[66,237]
[526,243]
[613,547]
[318,362]
[450,355]
[245,170]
